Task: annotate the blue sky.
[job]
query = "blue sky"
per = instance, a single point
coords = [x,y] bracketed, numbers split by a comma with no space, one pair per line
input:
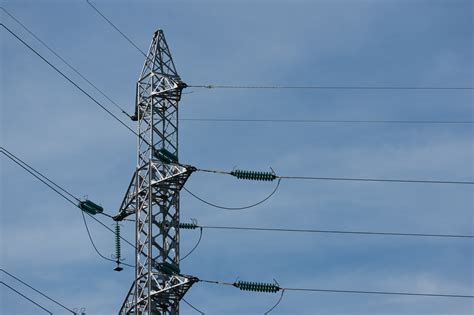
[50,124]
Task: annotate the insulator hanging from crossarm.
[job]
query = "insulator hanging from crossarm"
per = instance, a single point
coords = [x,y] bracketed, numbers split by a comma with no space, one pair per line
[257,286]
[117,242]
[253,175]
[118,253]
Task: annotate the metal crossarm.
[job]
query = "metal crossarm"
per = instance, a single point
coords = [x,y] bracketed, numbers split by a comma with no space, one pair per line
[169,294]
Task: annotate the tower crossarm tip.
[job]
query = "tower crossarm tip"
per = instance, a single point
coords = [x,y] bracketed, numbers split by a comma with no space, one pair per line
[180,174]
[173,290]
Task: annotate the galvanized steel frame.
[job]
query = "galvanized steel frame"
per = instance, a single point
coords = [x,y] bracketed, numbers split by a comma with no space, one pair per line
[153,193]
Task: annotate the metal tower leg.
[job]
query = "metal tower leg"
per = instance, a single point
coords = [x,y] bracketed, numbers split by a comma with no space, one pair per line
[153,194]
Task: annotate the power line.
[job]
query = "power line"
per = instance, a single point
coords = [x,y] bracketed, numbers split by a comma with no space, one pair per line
[32,171]
[37,291]
[71,81]
[45,180]
[379,180]
[117,29]
[194,225]
[27,167]
[332,290]
[273,288]
[65,62]
[414,88]
[270,176]
[327,87]
[307,87]
[262,229]
[42,178]
[95,101]
[317,121]
[27,298]
[344,291]
[213,119]
[382,293]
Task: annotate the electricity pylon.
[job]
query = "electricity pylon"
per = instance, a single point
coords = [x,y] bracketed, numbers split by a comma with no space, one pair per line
[153,193]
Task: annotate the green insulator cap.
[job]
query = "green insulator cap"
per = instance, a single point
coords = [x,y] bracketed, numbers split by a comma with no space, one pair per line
[169,269]
[165,156]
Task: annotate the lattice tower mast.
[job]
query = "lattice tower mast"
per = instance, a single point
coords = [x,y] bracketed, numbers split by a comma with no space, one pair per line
[153,193]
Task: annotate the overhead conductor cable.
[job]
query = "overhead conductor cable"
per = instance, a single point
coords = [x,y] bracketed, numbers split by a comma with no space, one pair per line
[271,176]
[299,87]
[87,206]
[26,298]
[73,83]
[65,61]
[37,291]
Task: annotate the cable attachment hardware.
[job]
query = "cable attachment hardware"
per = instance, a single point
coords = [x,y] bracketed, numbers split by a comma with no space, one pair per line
[253,175]
[90,207]
[257,286]
[168,268]
[118,251]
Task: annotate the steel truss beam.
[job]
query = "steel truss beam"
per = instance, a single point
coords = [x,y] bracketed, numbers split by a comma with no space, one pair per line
[153,193]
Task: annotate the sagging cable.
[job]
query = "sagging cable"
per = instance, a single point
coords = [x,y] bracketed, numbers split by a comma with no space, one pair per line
[277,303]
[195,246]
[192,306]
[261,287]
[234,208]
[188,226]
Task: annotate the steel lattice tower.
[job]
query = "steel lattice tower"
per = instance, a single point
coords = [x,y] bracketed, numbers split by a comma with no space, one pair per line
[153,193]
